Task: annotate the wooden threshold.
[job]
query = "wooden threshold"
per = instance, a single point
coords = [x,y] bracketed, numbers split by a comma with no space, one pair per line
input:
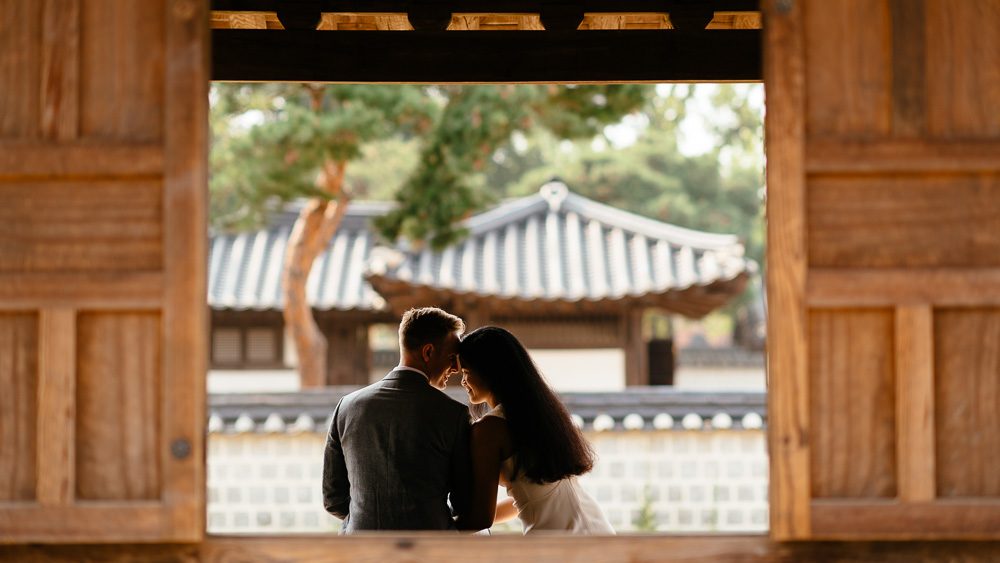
[486,57]
[447,548]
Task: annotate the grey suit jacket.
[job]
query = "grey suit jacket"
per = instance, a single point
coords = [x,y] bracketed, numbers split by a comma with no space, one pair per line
[396,451]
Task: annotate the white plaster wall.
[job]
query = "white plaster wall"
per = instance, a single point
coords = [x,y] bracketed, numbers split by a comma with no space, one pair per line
[253,381]
[692,481]
[566,370]
[720,379]
[600,369]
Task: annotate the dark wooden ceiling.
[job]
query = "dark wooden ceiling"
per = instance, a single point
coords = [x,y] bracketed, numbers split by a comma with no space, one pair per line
[443,42]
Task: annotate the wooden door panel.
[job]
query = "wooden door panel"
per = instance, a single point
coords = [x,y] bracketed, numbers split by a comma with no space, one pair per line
[122,68]
[18,413]
[852,398]
[103,155]
[850,98]
[118,394]
[908,221]
[963,69]
[78,226]
[884,268]
[967,395]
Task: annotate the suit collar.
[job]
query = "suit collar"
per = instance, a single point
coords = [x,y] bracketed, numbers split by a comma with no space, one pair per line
[407,376]
[409,368]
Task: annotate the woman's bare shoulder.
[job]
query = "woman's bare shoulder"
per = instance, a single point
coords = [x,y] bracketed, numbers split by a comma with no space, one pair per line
[489,425]
[492,430]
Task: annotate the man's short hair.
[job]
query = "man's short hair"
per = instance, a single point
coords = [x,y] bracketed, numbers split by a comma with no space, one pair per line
[427,325]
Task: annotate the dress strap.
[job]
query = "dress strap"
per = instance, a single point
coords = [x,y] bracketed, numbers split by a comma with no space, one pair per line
[496,411]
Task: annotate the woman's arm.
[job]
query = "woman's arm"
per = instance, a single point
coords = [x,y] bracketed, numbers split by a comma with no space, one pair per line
[486,445]
[505,511]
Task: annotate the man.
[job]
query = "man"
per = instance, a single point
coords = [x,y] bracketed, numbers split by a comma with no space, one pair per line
[398,449]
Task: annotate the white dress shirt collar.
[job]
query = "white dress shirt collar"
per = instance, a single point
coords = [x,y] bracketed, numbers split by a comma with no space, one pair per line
[408,368]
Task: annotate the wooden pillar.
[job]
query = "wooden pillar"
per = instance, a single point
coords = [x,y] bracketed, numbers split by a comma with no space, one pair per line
[636,353]
[348,356]
[475,315]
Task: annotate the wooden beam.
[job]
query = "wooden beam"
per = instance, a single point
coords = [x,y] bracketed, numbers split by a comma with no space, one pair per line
[185,256]
[915,452]
[477,57]
[473,21]
[879,287]
[20,160]
[787,351]
[56,407]
[902,156]
[82,522]
[869,519]
[106,291]
[485,6]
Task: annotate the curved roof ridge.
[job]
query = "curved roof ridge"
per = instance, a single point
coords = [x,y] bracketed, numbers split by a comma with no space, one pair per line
[541,203]
[509,211]
[626,220]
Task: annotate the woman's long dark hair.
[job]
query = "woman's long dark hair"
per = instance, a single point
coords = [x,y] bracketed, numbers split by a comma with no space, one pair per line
[548,446]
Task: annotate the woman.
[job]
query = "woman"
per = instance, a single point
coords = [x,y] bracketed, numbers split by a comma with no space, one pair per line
[526,442]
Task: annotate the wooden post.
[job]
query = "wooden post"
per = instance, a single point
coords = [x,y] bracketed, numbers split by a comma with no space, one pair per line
[788,377]
[56,407]
[915,403]
[636,352]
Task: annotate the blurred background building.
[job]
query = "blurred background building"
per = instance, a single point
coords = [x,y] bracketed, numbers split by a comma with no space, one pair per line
[610,304]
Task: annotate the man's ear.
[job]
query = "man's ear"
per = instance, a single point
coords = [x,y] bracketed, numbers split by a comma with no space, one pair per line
[427,352]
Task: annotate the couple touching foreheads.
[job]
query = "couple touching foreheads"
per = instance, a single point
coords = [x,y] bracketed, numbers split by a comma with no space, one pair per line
[402,455]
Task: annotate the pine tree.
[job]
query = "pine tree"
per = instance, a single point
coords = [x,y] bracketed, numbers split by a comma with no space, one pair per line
[278,142]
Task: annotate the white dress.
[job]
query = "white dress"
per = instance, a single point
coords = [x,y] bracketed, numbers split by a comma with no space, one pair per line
[559,506]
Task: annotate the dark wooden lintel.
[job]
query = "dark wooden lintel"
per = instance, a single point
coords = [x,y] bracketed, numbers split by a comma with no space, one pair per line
[486,6]
[486,57]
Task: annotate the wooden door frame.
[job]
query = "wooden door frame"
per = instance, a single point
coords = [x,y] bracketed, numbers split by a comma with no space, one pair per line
[231,67]
[787,265]
[787,370]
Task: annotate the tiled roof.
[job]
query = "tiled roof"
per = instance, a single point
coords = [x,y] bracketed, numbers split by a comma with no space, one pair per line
[245,268]
[559,246]
[553,246]
[637,408]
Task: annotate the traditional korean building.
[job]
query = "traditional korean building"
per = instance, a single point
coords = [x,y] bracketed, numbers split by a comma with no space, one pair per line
[883,154]
[559,270]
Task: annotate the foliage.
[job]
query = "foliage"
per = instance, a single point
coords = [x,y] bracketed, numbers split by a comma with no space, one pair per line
[645,519]
[270,142]
[444,152]
[447,184]
[717,191]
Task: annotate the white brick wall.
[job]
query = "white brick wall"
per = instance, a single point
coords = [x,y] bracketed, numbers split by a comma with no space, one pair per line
[692,481]
[266,483]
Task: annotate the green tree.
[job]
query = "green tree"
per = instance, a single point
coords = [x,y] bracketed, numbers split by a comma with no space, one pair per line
[277,142]
[718,191]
